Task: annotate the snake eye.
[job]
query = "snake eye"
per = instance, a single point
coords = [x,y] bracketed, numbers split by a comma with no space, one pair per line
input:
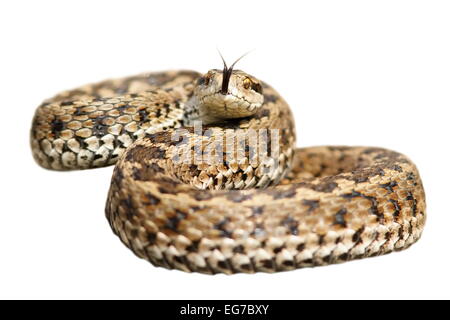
[204,80]
[247,83]
[200,81]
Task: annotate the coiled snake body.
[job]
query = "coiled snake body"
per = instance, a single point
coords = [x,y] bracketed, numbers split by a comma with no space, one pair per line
[227,208]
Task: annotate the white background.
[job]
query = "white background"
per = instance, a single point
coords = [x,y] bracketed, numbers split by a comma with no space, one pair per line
[354,72]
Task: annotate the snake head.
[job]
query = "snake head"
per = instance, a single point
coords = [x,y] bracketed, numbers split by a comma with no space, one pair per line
[228,94]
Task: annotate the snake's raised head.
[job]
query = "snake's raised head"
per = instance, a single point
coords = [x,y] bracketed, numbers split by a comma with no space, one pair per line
[228,94]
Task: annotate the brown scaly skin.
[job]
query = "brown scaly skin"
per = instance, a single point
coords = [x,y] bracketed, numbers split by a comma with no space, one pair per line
[91,126]
[336,203]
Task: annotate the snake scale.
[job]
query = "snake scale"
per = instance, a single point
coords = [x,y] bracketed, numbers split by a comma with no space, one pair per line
[227,207]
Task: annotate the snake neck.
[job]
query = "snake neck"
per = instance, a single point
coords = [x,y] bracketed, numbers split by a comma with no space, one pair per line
[197,112]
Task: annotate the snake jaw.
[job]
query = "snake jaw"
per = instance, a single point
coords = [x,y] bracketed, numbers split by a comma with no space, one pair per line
[230,106]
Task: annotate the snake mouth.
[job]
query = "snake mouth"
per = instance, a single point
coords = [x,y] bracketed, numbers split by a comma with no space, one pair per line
[228,102]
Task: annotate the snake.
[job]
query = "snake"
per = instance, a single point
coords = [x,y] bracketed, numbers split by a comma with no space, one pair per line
[208,177]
